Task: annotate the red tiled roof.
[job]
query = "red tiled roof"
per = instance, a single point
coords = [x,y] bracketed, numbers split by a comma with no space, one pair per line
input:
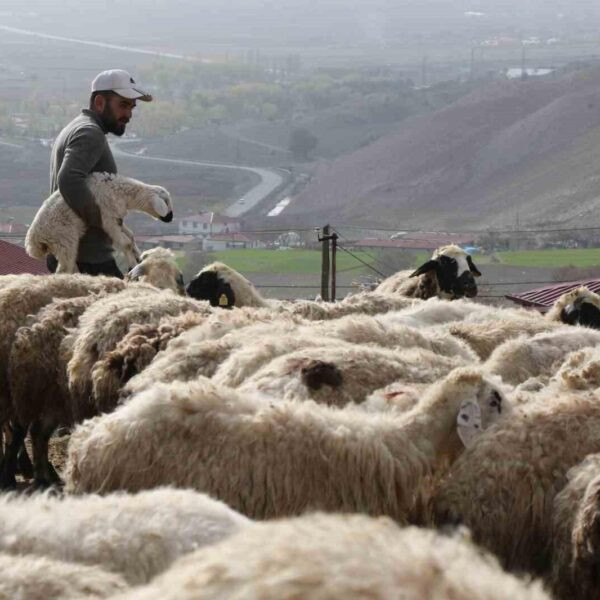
[14,260]
[545,297]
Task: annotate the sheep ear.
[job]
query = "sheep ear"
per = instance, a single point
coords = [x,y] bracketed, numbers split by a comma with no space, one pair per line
[425,268]
[468,422]
[136,272]
[472,267]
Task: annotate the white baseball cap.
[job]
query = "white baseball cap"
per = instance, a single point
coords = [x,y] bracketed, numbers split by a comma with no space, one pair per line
[120,82]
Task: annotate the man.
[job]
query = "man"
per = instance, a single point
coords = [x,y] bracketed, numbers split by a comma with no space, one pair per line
[81,148]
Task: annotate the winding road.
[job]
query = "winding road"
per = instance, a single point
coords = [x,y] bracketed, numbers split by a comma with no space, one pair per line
[270,180]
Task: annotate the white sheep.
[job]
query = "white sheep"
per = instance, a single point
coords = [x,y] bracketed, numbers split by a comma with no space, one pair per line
[136,536]
[484,334]
[107,321]
[580,370]
[18,300]
[27,577]
[519,359]
[158,267]
[503,487]
[335,557]
[575,533]
[344,373]
[57,229]
[268,459]
[241,353]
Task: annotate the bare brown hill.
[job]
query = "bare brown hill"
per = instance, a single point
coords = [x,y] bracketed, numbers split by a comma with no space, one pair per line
[526,148]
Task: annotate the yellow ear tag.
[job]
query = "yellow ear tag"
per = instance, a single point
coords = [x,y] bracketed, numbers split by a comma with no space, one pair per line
[223,301]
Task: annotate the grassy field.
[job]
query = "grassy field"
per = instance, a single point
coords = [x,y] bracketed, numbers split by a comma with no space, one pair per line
[306,262]
[580,257]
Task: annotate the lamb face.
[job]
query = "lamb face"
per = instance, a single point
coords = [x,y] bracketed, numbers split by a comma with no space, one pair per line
[162,204]
[480,409]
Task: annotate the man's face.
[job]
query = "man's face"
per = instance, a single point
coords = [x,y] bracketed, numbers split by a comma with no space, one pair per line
[116,113]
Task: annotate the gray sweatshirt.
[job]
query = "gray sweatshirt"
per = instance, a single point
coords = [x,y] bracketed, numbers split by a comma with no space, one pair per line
[80,149]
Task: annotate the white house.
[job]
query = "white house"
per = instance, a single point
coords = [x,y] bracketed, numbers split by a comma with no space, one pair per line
[207,224]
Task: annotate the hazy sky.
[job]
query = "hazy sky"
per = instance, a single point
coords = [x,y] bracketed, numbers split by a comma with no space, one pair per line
[239,22]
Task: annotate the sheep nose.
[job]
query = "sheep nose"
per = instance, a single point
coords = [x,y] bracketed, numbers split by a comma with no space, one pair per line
[168,217]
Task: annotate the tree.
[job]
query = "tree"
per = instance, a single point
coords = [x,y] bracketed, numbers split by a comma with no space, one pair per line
[302,142]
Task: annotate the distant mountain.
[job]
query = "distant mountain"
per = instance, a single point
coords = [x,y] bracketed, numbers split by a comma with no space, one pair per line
[528,149]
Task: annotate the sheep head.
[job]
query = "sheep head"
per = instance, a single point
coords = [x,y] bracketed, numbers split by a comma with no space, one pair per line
[471,398]
[454,272]
[209,285]
[158,268]
[161,205]
[581,307]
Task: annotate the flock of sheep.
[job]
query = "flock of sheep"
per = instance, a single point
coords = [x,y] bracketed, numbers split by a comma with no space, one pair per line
[405,442]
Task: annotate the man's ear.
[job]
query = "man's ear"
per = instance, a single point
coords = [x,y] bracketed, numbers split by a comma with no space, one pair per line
[99,102]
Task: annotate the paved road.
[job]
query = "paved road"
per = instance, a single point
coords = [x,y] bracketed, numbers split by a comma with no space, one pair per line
[270,180]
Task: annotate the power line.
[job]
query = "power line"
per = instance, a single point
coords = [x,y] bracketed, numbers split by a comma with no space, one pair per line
[470,231]
[361,261]
[373,258]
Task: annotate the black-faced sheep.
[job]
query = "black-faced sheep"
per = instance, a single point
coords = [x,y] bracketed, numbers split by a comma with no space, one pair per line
[449,274]
[577,307]
[57,229]
[335,557]
[223,287]
[268,459]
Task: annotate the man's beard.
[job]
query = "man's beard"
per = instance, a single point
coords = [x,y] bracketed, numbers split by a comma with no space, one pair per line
[110,122]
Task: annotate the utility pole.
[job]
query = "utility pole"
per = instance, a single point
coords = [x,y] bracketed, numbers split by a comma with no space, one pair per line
[325,264]
[334,239]
[324,239]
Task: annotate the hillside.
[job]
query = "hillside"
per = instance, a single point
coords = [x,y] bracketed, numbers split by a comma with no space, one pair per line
[528,149]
